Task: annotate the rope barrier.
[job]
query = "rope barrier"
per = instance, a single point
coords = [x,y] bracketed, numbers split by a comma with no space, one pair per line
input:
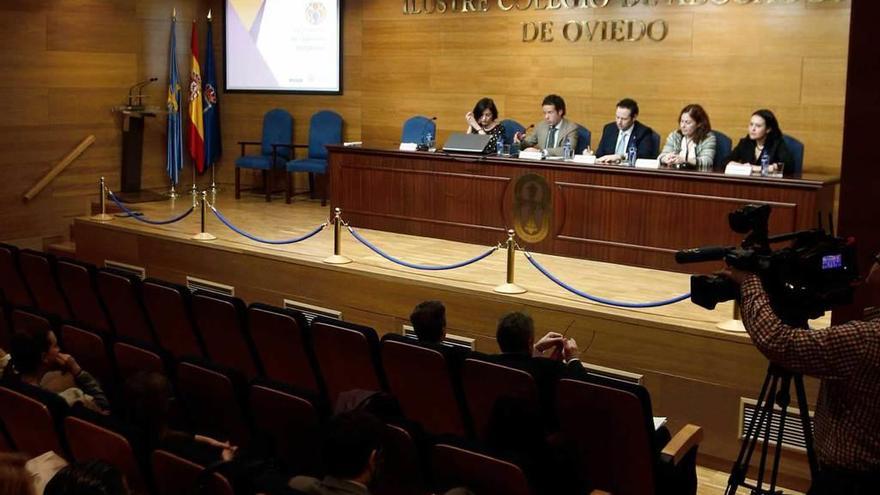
[413,265]
[137,217]
[609,302]
[260,239]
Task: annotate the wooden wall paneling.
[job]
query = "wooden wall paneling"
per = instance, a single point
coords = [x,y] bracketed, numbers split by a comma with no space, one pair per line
[22,30]
[83,32]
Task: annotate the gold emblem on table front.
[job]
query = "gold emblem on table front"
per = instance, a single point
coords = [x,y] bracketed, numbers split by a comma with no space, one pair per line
[532,208]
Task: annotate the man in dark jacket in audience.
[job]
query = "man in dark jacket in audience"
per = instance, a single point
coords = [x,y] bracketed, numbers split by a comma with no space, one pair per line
[352,455]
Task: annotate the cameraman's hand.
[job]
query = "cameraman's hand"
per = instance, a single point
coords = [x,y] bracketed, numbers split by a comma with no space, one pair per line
[734,274]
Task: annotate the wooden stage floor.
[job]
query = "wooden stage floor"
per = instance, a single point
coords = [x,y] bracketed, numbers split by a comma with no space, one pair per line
[695,372]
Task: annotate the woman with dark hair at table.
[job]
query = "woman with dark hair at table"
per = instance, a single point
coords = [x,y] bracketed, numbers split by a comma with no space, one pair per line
[483,119]
[692,145]
[764,138]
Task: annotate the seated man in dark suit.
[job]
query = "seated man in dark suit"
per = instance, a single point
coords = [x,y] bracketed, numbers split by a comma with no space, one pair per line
[428,319]
[352,454]
[623,133]
[544,360]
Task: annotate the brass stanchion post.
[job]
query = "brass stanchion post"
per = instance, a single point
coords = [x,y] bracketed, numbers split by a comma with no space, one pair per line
[735,324]
[337,258]
[510,287]
[204,236]
[102,195]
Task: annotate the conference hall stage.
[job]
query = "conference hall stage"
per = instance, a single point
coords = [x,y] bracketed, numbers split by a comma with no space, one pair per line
[695,372]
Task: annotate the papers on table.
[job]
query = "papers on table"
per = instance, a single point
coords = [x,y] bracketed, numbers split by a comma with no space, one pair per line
[531,155]
[586,159]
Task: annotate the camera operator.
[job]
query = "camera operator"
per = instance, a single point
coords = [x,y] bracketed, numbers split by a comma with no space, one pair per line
[846,358]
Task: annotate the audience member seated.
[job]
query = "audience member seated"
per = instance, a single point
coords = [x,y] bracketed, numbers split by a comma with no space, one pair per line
[4,361]
[550,134]
[428,319]
[87,478]
[484,120]
[692,146]
[544,360]
[764,139]
[352,455]
[516,434]
[39,362]
[148,405]
[623,133]
[14,478]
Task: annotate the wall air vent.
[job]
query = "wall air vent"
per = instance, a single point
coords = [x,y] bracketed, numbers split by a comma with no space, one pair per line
[792,436]
[450,340]
[198,284]
[137,271]
[624,376]
[311,311]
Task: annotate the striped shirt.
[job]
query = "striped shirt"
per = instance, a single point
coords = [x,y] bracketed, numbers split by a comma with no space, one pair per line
[847,360]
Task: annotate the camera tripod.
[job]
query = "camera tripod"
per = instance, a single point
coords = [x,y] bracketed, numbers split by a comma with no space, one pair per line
[774,392]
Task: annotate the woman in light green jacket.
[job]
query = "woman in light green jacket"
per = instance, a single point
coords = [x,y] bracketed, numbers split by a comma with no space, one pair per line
[692,145]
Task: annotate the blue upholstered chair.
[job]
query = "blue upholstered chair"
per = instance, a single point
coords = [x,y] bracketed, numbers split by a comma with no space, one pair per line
[325,128]
[723,145]
[584,137]
[275,149]
[797,151]
[416,128]
[511,127]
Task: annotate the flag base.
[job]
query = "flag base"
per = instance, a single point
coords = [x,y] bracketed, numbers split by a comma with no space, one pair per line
[204,236]
[337,259]
[509,289]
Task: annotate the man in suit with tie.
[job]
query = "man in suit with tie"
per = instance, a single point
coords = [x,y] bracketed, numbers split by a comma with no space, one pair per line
[550,134]
[620,135]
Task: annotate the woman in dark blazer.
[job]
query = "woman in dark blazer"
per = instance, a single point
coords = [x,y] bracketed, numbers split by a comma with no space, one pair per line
[765,137]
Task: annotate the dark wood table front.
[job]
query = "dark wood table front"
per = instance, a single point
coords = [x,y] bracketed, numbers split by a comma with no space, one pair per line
[608,213]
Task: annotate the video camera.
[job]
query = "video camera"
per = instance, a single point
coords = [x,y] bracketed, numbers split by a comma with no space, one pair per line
[803,280]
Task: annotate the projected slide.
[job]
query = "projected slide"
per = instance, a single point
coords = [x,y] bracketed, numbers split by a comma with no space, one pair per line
[283,45]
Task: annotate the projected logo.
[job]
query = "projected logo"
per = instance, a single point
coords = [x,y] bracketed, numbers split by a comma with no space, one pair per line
[316,13]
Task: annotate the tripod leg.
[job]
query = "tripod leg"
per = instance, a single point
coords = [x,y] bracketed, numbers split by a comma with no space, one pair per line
[804,410]
[767,422]
[753,431]
[783,400]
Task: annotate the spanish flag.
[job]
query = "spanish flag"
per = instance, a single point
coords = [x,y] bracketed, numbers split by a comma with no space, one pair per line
[196,123]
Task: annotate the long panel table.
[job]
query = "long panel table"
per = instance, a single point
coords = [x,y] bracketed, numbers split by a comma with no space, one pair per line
[608,213]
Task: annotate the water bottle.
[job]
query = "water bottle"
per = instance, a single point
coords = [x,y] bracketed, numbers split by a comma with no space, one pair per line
[633,154]
[765,164]
[499,146]
[567,153]
[429,140]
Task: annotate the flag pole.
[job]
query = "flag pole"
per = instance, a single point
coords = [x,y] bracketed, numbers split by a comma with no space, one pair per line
[211,110]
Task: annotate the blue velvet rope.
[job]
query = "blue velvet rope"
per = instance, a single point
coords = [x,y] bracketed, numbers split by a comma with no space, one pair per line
[415,266]
[139,218]
[609,302]
[260,239]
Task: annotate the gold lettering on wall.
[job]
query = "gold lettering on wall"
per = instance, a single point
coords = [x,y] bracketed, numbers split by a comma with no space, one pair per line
[630,30]
[413,7]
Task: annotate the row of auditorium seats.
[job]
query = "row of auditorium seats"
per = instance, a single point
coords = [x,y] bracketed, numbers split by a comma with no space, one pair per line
[275,372]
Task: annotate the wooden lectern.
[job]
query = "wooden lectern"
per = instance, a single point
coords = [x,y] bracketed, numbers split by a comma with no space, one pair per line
[132,153]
